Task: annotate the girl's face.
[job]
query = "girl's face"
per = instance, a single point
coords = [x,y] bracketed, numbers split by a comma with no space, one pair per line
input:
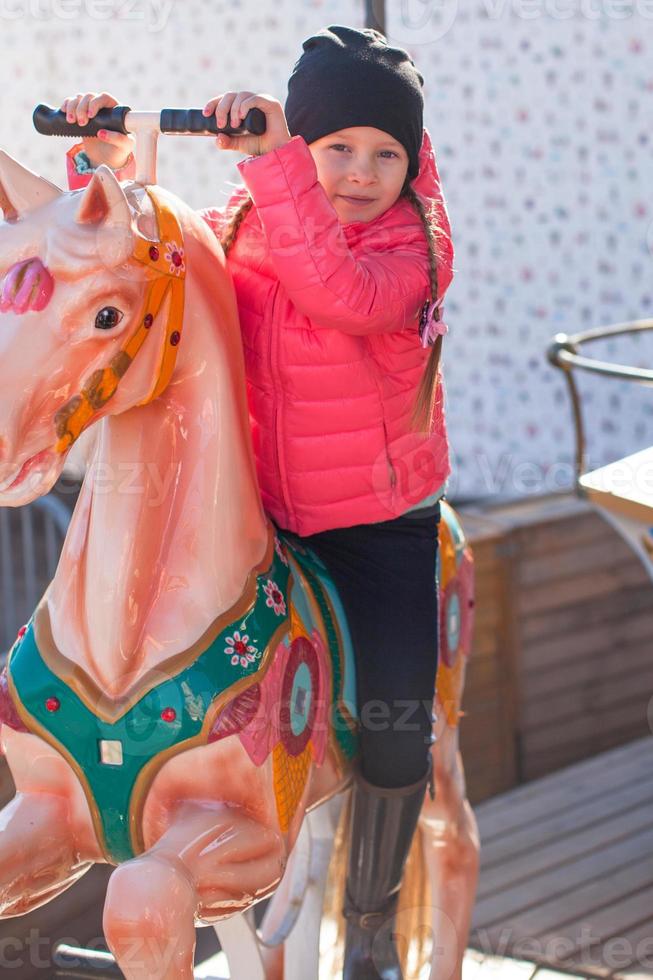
[362,170]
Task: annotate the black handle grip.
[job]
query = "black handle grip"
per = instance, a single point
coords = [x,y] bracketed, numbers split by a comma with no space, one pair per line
[193,121]
[52,122]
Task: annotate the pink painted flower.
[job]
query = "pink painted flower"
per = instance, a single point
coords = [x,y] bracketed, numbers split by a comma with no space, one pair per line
[175,258]
[275,598]
[240,649]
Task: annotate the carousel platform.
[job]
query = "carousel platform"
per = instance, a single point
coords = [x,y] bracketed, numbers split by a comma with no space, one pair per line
[476,966]
[566,876]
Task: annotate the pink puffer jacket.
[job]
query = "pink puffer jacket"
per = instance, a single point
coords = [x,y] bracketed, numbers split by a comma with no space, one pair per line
[329,317]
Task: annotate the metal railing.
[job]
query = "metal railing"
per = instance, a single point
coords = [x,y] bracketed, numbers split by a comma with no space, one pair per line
[563,352]
[31,538]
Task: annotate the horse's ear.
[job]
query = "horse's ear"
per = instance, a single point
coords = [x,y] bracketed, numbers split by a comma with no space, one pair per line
[104,201]
[22,190]
[105,207]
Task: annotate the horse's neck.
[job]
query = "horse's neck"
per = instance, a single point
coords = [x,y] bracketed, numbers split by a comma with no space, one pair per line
[169,520]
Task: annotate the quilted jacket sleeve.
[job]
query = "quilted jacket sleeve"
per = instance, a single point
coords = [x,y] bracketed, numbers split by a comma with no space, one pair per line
[372,292]
[79,170]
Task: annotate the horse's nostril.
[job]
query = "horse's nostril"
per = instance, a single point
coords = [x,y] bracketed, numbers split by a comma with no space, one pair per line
[27,285]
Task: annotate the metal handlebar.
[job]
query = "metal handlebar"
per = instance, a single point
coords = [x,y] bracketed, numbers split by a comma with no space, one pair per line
[563,353]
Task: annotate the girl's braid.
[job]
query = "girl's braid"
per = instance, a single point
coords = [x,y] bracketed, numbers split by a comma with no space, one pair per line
[237,218]
[422,415]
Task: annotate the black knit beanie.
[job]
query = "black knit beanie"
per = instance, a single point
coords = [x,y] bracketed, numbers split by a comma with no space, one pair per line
[347,77]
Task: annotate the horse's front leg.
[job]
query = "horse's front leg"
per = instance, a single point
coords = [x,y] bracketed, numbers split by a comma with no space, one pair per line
[212,860]
[38,855]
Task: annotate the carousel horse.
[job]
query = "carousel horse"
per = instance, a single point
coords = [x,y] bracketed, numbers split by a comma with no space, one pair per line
[183,695]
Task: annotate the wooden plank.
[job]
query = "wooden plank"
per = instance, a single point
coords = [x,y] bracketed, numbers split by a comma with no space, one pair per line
[535,765]
[542,973]
[532,824]
[585,726]
[481,531]
[631,956]
[601,582]
[486,781]
[608,922]
[474,740]
[541,569]
[479,966]
[482,677]
[541,904]
[542,511]
[585,770]
[559,622]
[561,536]
[488,967]
[582,647]
[488,615]
[571,847]
[623,682]
[611,681]
[485,643]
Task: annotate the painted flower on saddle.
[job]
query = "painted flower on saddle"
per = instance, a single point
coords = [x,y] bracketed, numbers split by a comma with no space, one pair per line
[275,597]
[430,324]
[175,258]
[240,649]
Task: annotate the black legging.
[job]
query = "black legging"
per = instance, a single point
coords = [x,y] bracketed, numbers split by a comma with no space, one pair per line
[386,577]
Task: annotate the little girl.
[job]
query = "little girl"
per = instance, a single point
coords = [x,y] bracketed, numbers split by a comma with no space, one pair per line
[339,245]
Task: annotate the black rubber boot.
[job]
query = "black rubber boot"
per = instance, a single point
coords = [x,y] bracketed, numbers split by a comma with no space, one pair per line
[383,823]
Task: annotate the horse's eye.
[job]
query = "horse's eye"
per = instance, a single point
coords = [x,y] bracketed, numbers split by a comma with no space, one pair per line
[108,318]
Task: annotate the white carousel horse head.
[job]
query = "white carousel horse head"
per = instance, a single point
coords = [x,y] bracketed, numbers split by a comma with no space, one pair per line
[60,261]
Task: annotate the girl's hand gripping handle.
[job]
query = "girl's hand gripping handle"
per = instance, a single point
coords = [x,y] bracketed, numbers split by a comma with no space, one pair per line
[231,108]
[98,119]
[54,122]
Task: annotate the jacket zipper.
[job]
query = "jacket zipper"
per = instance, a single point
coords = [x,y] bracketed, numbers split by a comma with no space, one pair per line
[391,469]
[273,361]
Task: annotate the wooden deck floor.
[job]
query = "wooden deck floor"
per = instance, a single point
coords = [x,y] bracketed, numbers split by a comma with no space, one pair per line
[475,967]
[567,868]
